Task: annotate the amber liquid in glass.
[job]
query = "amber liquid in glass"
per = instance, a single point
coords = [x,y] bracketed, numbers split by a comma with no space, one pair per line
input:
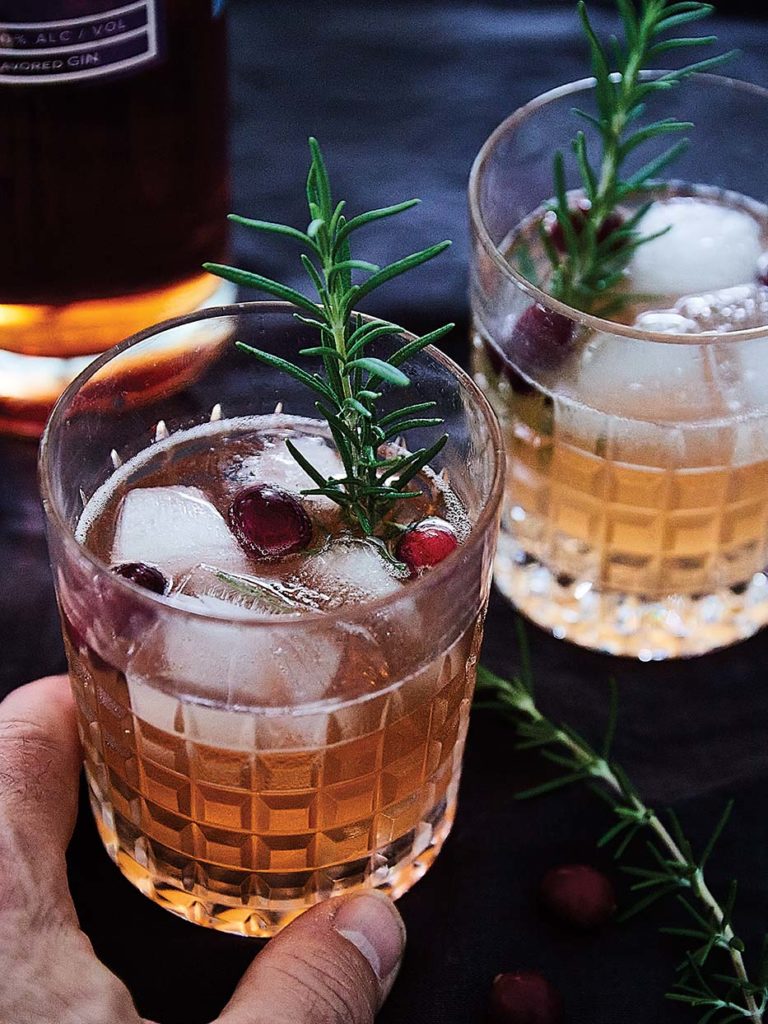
[241,818]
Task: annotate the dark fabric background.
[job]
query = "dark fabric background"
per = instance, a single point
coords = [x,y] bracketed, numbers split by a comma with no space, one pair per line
[402,95]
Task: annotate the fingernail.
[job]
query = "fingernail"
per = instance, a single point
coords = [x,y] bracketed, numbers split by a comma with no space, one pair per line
[370,922]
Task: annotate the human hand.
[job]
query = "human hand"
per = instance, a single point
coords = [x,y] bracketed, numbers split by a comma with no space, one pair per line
[334,965]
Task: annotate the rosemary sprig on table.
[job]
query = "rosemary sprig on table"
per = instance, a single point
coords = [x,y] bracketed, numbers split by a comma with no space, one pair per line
[349,388]
[677,870]
[597,243]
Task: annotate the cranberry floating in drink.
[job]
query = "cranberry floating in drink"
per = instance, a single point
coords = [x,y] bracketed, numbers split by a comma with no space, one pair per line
[426,544]
[143,575]
[269,522]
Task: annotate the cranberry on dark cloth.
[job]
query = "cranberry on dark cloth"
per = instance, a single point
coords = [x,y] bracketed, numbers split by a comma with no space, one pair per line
[426,544]
[147,576]
[524,997]
[269,522]
[579,894]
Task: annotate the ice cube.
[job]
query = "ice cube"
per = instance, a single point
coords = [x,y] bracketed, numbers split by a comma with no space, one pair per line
[174,528]
[237,729]
[221,653]
[154,706]
[350,570]
[275,465]
[708,246]
[266,595]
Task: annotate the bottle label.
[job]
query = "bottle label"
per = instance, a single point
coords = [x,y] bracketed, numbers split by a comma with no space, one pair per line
[76,40]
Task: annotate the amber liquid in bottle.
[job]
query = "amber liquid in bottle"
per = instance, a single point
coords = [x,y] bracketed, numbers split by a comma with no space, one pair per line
[113,192]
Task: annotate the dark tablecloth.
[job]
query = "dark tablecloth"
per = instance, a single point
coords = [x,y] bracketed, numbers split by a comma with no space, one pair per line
[402,95]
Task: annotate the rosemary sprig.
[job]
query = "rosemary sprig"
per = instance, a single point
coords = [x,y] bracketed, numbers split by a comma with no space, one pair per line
[597,244]
[676,871]
[278,599]
[350,386]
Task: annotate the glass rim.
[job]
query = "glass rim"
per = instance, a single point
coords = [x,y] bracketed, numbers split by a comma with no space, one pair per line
[595,323]
[251,619]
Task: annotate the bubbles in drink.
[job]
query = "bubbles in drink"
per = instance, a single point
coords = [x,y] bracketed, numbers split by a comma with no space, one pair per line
[665,321]
[730,309]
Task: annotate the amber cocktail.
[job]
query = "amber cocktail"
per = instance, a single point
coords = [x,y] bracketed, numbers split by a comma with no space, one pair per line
[260,734]
[636,510]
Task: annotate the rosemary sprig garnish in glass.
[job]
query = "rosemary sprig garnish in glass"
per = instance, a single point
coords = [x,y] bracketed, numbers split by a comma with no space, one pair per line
[376,474]
[596,243]
[676,870]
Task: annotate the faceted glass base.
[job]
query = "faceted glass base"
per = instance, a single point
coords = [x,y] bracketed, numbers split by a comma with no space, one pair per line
[43,348]
[238,904]
[650,629]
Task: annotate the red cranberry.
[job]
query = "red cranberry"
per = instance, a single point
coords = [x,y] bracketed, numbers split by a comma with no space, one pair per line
[540,338]
[524,997]
[579,894]
[143,575]
[426,544]
[269,522]
[579,212]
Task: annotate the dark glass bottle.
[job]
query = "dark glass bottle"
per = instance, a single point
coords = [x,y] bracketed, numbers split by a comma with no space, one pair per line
[113,180]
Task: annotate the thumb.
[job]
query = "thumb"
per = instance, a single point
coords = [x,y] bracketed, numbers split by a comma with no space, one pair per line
[39,767]
[333,965]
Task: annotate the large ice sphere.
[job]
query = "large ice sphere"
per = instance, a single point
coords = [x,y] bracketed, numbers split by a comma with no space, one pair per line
[708,246]
[175,528]
[275,465]
[351,570]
